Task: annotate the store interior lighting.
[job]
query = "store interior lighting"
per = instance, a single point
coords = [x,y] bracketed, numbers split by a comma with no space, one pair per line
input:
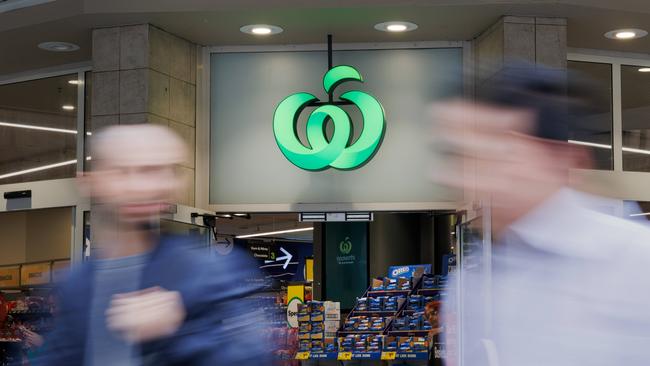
[40,128]
[38,169]
[644,69]
[626,34]
[261,29]
[67,107]
[396,27]
[604,146]
[272,233]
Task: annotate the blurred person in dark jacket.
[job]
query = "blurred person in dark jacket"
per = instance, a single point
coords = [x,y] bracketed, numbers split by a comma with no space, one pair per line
[147,299]
[566,282]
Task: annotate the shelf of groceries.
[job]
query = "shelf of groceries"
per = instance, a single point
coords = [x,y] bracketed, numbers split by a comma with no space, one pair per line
[395,319]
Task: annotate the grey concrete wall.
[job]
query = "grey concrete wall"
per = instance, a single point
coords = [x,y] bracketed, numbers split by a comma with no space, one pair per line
[530,40]
[142,74]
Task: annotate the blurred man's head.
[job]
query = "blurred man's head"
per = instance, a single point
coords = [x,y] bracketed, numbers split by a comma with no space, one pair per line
[515,138]
[134,172]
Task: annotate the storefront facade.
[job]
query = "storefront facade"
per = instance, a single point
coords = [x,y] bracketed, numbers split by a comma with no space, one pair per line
[224,100]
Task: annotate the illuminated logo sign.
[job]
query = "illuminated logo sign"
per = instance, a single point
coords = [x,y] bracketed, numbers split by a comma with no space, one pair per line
[339,151]
[346,246]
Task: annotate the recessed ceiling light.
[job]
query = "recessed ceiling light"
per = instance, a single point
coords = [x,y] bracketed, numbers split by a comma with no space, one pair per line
[68,107]
[624,34]
[396,27]
[58,46]
[74,82]
[644,69]
[261,29]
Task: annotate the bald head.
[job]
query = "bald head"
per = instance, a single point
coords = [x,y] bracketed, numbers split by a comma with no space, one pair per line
[135,170]
[132,145]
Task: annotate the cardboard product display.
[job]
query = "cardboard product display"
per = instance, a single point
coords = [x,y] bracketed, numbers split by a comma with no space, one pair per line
[35,274]
[9,276]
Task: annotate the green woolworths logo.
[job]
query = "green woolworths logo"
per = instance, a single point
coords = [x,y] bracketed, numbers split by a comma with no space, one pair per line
[338,152]
[346,246]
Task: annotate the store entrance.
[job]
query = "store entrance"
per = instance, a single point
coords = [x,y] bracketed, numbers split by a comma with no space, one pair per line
[379,277]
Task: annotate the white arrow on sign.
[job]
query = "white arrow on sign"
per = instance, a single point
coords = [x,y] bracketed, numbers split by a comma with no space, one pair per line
[287,256]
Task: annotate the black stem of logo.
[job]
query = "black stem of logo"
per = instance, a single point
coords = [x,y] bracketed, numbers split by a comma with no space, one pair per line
[330,64]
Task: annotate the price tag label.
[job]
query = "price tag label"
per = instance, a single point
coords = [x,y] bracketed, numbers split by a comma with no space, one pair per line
[388,356]
[302,356]
[345,356]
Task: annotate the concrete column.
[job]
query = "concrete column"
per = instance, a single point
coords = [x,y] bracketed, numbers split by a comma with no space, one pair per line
[142,74]
[529,40]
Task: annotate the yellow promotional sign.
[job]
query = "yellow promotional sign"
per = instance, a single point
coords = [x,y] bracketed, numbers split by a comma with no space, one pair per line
[297,291]
[35,274]
[59,270]
[388,356]
[295,296]
[10,276]
[302,356]
[345,356]
[309,270]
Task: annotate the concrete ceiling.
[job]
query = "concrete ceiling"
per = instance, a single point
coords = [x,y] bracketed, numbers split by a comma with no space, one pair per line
[210,22]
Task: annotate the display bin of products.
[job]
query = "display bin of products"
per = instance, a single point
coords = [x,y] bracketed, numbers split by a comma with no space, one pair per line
[318,323]
[396,318]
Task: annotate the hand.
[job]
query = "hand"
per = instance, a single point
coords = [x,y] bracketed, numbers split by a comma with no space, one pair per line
[145,315]
[32,340]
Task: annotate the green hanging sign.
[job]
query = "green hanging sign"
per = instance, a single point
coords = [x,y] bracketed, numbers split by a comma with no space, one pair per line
[339,151]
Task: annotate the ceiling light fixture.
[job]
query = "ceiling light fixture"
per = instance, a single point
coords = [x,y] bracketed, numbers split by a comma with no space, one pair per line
[603,146]
[271,233]
[74,82]
[625,34]
[261,29]
[640,214]
[644,69]
[396,27]
[67,107]
[32,127]
[58,46]
[38,169]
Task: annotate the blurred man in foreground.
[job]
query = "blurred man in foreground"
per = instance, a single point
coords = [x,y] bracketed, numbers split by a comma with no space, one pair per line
[147,299]
[568,283]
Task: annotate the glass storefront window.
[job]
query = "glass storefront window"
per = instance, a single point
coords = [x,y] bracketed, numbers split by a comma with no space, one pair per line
[592,126]
[38,129]
[635,103]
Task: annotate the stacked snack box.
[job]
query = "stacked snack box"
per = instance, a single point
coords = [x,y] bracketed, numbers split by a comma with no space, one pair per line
[406,344]
[317,325]
[361,343]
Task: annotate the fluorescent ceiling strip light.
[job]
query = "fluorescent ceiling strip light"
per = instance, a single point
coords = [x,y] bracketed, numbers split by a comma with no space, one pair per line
[32,127]
[38,169]
[10,5]
[603,146]
[275,233]
[638,151]
[640,214]
[592,144]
